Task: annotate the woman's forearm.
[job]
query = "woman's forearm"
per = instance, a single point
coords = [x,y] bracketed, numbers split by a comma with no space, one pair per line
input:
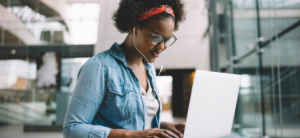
[123,133]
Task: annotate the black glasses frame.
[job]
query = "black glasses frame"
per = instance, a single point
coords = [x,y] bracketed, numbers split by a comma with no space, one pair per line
[164,40]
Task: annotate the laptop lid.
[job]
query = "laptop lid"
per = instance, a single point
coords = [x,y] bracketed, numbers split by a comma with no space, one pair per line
[212,104]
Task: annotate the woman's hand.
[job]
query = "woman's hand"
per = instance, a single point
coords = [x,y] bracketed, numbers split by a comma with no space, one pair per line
[154,133]
[176,128]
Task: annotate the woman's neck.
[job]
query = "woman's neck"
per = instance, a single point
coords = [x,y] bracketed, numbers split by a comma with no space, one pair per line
[133,57]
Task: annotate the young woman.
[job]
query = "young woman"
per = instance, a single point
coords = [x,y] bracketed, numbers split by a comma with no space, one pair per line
[116,95]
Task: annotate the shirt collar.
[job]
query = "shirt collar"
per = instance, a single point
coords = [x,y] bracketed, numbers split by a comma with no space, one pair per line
[117,53]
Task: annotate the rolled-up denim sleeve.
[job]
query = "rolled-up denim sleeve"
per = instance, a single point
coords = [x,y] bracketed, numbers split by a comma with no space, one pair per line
[86,100]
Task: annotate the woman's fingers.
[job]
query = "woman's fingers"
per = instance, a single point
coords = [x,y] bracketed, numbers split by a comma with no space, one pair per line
[178,129]
[166,134]
[180,126]
[161,133]
[178,133]
[170,133]
[152,137]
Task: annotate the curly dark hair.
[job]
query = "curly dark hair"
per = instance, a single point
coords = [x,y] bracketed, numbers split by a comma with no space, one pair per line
[129,12]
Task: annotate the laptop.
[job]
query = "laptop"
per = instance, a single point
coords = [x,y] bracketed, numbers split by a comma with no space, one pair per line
[212,105]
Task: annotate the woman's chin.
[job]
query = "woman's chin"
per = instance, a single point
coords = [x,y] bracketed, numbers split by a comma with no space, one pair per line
[152,60]
[149,59]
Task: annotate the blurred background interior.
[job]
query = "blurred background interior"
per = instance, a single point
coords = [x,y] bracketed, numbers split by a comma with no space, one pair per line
[43,44]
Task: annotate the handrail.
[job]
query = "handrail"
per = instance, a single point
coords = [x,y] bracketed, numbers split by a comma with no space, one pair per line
[286,30]
[14,118]
[265,43]
[27,108]
[285,72]
[15,112]
[23,106]
[283,78]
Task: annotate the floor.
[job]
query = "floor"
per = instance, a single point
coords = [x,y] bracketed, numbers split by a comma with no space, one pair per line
[16,131]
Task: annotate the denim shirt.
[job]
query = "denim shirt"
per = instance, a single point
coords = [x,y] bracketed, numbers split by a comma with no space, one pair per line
[107,96]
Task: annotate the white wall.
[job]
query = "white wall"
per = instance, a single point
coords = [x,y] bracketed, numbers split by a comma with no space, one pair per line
[190,51]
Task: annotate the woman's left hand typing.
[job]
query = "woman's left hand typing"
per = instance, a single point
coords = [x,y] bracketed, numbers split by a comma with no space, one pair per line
[176,128]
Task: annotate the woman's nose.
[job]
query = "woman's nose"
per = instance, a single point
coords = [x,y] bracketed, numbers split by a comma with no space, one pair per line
[161,46]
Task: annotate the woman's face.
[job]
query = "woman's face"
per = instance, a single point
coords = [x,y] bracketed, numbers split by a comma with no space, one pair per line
[143,38]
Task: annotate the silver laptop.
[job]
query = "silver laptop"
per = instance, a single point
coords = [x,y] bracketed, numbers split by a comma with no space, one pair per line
[212,105]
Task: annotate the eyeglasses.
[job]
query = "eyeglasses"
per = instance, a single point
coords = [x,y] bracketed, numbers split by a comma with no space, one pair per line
[157,39]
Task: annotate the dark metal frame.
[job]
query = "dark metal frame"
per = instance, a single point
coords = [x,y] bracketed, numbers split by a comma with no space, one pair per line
[25,52]
[260,70]
[214,36]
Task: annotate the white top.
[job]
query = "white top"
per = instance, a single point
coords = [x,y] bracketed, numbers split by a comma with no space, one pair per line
[151,103]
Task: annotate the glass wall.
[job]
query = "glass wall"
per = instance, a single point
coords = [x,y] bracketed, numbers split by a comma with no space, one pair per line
[259,39]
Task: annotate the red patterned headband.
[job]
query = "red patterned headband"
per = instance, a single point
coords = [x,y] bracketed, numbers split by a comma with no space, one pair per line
[157,10]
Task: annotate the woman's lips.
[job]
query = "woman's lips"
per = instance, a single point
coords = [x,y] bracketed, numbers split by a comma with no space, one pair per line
[155,54]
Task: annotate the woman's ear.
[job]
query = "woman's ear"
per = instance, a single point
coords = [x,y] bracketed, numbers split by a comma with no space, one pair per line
[135,26]
[130,30]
